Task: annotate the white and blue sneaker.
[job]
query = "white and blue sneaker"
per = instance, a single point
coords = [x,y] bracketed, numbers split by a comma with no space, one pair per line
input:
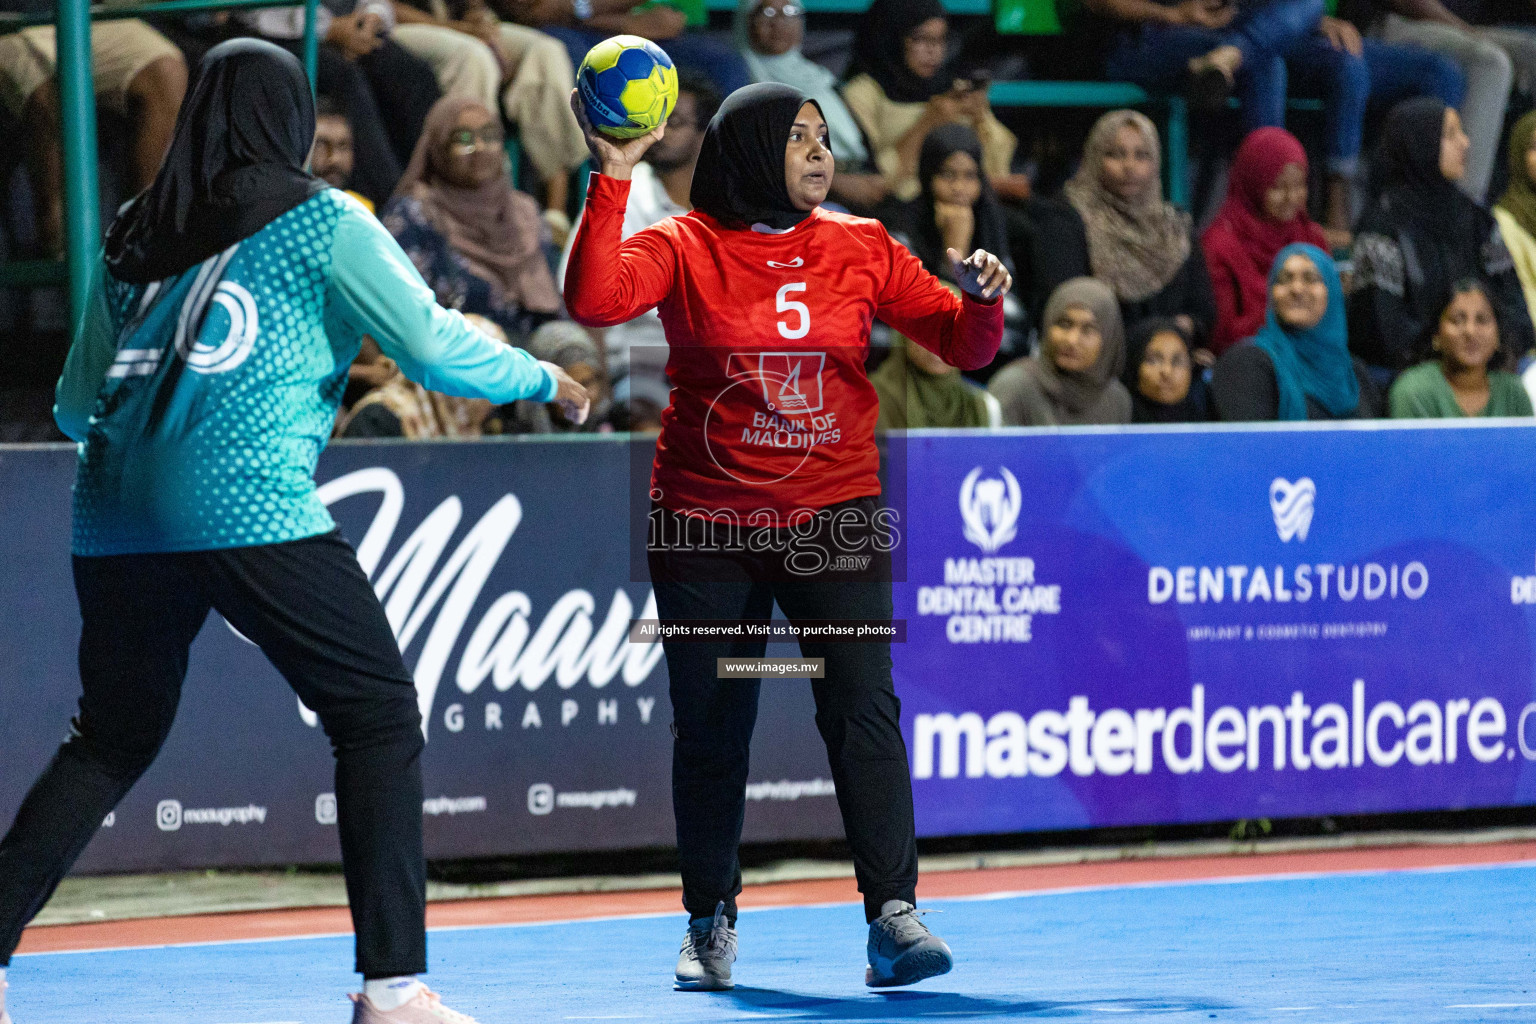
[709,949]
[901,948]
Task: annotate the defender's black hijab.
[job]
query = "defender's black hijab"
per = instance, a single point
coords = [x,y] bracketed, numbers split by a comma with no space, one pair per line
[739,179]
[236,163]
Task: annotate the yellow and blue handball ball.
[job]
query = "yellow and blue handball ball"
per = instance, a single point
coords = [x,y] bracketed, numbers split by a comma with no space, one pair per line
[628,86]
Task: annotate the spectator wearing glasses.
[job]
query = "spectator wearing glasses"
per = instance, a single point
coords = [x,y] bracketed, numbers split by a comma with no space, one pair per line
[901,87]
[479,243]
[332,158]
[769,34]
[1162,376]
[528,72]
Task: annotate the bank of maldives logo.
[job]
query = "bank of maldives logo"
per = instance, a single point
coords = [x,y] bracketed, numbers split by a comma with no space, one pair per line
[1291,504]
[790,381]
[989,508]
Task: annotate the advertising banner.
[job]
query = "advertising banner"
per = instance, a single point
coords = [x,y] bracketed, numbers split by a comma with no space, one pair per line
[1140,626]
[504,568]
[1100,628]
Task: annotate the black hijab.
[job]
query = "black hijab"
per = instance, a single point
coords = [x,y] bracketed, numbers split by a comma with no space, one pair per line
[739,179]
[1143,410]
[236,163]
[880,49]
[991,230]
[1416,196]
[1443,234]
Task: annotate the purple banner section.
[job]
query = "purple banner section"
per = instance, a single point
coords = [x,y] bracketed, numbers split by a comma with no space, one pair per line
[1143,626]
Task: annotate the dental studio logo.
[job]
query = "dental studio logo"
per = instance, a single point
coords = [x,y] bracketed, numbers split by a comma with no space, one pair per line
[1244,579]
[1291,505]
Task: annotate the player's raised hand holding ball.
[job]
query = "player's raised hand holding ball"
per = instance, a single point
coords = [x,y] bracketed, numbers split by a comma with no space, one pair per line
[625,90]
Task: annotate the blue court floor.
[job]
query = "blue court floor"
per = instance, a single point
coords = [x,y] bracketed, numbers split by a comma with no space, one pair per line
[1381,948]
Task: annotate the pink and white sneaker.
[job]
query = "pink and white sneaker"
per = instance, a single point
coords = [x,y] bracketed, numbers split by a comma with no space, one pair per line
[426,1007]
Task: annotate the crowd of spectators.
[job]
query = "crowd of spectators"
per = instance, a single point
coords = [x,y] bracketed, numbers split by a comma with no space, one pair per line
[1391,290]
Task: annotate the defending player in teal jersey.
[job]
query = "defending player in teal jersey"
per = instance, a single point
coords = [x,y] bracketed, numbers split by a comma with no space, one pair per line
[202,386]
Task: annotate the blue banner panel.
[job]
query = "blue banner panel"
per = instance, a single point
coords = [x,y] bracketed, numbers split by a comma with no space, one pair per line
[1138,626]
[1103,628]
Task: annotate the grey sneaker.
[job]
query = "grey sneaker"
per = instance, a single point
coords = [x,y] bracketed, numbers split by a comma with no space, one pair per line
[426,1007]
[709,949]
[902,950]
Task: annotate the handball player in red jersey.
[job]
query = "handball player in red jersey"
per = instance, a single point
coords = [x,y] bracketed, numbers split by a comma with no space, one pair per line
[766,482]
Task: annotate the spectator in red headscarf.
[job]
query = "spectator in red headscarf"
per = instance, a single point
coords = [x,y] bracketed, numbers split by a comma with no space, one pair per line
[1265,211]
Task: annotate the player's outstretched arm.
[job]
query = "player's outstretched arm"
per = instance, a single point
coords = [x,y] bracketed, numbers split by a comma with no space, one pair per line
[85,369]
[381,294]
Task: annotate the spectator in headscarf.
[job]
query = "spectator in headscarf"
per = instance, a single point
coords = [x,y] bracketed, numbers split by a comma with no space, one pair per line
[1298,366]
[957,208]
[901,86]
[1114,225]
[1162,376]
[1516,211]
[526,73]
[918,389]
[1457,381]
[1421,235]
[638,402]
[1261,51]
[479,243]
[568,346]
[1076,377]
[1265,211]
[769,34]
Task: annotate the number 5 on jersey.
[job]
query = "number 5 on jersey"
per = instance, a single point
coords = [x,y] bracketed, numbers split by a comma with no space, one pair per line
[786,305]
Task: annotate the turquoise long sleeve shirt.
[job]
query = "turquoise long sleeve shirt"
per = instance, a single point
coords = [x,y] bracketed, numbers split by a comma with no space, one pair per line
[202,401]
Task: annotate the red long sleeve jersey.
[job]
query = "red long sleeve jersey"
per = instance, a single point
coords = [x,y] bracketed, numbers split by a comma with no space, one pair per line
[770,408]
